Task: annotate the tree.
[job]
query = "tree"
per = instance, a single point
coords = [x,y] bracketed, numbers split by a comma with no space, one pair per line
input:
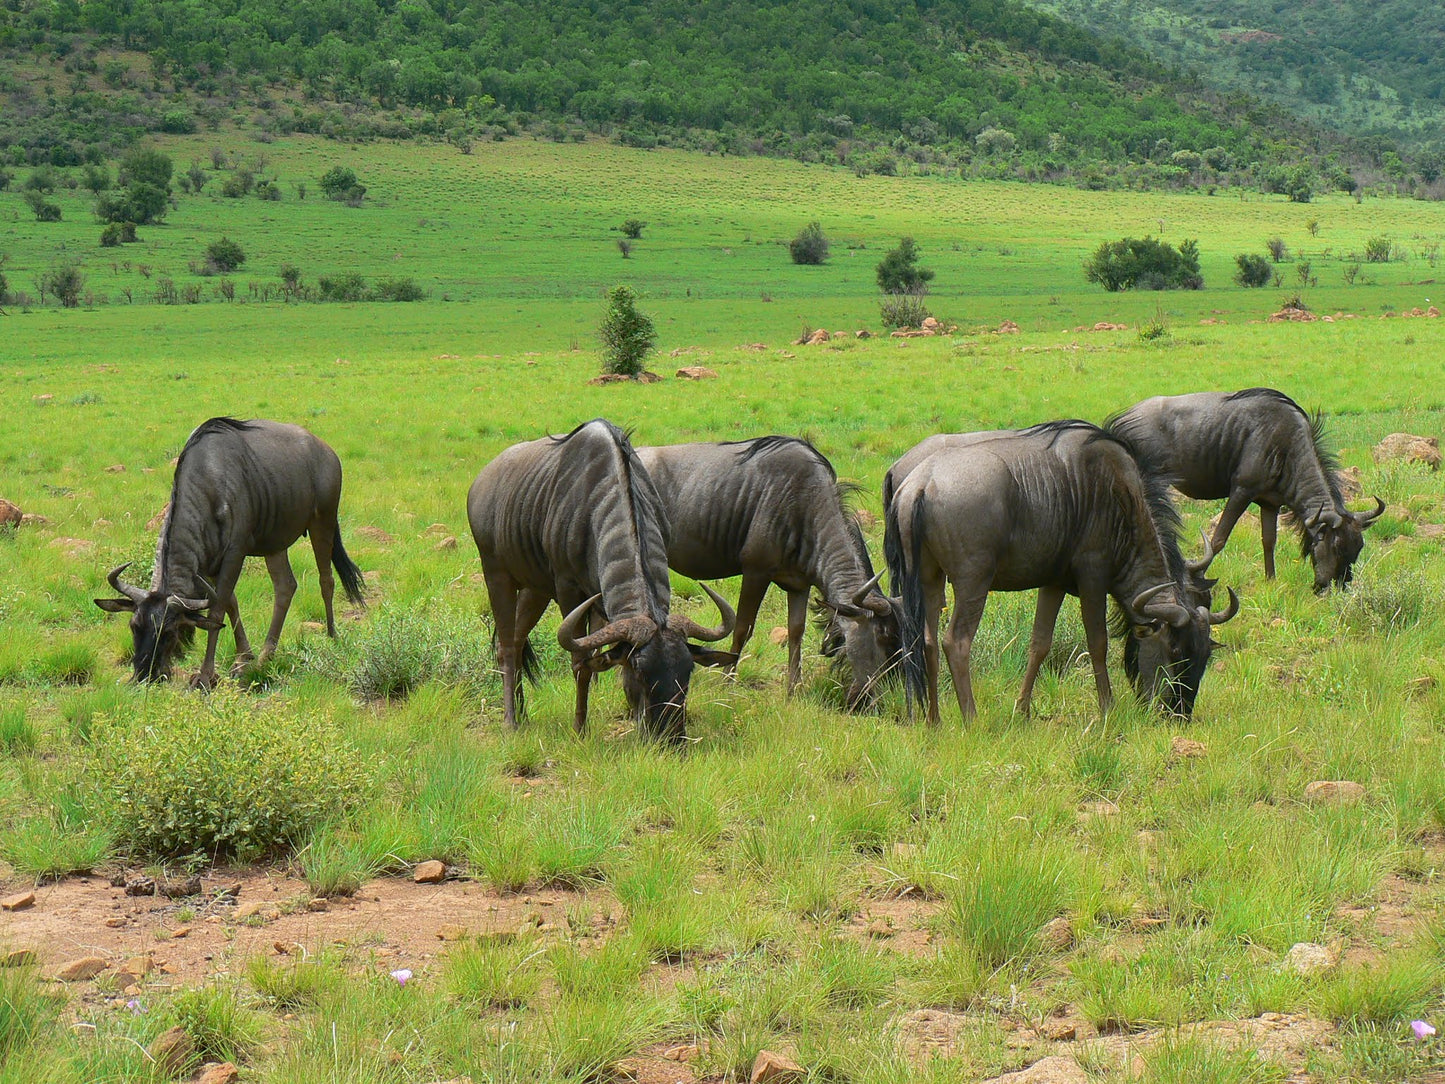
[65,282]
[341,184]
[45,211]
[632,229]
[628,336]
[1253,270]
[810,246]
[899,273]
[146,165]
[224,255]
[1147,264]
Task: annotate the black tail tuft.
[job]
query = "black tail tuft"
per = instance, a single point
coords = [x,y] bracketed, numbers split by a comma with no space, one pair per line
[908,584]
[351,580]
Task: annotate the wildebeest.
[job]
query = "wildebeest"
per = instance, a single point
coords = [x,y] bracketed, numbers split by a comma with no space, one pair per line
[772,511]
[242,489]
[576,519]
[1063,507]
[905,463]
[1254,446]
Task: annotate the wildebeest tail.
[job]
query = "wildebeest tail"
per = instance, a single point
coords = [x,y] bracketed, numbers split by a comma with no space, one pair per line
[903,575]
[350,576]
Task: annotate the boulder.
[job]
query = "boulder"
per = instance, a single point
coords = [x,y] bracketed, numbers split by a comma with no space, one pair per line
[115,468]
[1186,748]
[86,967]
[73,547]
[447,543]
[219,1073]
[778,1068]
[1057,935]
[818,338]
[20,957]
[1307,958]
[1410,448]
[172,1051]
[1352,484]
[10,514]
[1334,792]
[696,372]
[1052,1070]
[18,902]
[429,872]
[863,333]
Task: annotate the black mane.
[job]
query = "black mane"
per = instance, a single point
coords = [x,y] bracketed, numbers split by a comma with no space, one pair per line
[209,427]
[750,449]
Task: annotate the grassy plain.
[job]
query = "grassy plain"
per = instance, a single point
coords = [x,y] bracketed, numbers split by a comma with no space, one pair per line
[799,879]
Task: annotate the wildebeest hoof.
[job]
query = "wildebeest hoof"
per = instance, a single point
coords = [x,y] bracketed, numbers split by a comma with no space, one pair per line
[204,682]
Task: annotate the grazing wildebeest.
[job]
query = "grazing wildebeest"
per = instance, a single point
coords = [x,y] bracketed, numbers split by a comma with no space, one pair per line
[1065,508]
[242,489]
[771,510]
[905,463]
[577,519]
[1253,446]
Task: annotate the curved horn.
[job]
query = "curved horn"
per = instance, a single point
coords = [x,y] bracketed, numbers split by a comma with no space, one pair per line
[1202,563]
[1217,618]
[1313,521]
[690,628]
[192,604]
[1171,612]
[638,630]
[1364,519]
[130,591]
[860,597]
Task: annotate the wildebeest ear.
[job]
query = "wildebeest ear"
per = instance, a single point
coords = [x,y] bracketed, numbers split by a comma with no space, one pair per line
[707,656]
[116,605]
[608,659]
[210,623]
[1148,629]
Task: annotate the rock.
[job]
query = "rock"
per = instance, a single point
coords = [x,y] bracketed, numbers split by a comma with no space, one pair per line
[1060,1031]
[172,1051]
[20,957]
[247,910]
[10,514]
[1051,1070]
[42,399]
[775,1067]
[451,932]
[689,1052]
[73,547]
[117,922]
[696,372]
[931,323]
[1334,792]
[115,468]
[1351,481]
[1008,327]
[429,872]
[157,521]
[179,889]
[881,928]
[1185,748]
[1418,687]
[1307,958]
[618,378]
[180,932]
[219,1073]
[862,333]
[1057,935]
[139,966]
[437,530]
[778,635]
[18,902]
[447,543]
[818,338]
[1410,448]
[905,850]
[374,535]
[319,903]
[34,519]
[1101,808]
[1105,325]
[754,346]
[87,967]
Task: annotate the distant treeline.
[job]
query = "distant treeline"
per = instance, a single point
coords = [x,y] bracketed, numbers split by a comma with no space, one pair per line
[987,85]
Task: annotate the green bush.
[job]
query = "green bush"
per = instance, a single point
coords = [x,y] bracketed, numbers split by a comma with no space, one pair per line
[810,247]
[117,233]
[344,287]
[1147,264]
[632,229]
[45,211]
[899,273]
[65,283]
[224,255]
[628,336]
[400,289]
[1253,270]
[222,777]
[903,310]
[1377,250]
[341,184]
[178,122]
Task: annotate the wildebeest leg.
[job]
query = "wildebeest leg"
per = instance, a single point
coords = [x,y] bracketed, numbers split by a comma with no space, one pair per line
[958,645]
[797,624]
[1093,607]
[225,586]
[502,592]
[1268,529]
[582,676]
[322,533]
[283,582]
[243,645]
[1046,616]
[1235,507]
[932,584]
[750,599]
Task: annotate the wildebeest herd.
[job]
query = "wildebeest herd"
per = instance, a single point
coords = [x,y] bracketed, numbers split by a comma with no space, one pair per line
[594,524]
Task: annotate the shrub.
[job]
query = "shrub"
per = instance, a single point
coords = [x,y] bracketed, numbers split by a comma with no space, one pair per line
[628,336]
[400,289]
[632,229]
[224,255]
[222,777]
[66,283]
[1278,250]
[810,247]
[118,233]
[903,310]
[1144,264]
[348,286]
[624,246]
[1253,270]
[238,184]
[96,179]
[45,211]
[1377,250]
[178,122]
[268,190]
[5,178]
[141,203]
[145,165]
[899,273]
[341,184]
[41,180]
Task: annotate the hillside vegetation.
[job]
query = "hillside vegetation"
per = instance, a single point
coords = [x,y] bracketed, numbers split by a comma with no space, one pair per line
[988,87]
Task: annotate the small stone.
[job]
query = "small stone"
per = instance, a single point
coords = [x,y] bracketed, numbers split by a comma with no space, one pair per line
[1418,687]
[172,1051]
[10,514]
[881,927]
[219,1073]
[180,931]
[1186,748]
[778,636]
[1060,1031]
[447,543]
[1334,792]
[451,932]
[1051,1070]
[689,1052]
[1308,958]
[281,948]
[320,903]
[117,922]
[139,966]
[87,967]
[247,910]
[18,902]
[769,1065]
[374,535]
[231,890]
[696,372]
[115,468]
[1101,808]
[1411,448]
[34,519]
[1057,935]
[20,957]
[429,872]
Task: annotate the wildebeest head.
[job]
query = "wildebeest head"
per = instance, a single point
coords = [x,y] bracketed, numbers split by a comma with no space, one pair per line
[866,631]
[1333,540]
[161,624]
[1168,650]
[657,661]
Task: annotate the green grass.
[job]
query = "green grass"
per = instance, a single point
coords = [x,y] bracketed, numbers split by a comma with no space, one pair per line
[726,893]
